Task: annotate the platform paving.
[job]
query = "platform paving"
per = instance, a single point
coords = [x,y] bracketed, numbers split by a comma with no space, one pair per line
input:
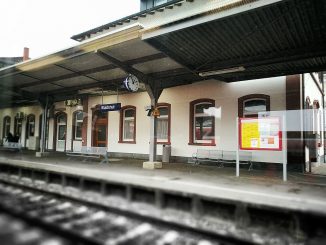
[303,192]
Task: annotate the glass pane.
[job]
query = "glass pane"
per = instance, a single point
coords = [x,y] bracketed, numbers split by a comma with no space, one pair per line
[101,132]
[79,115]
[18,128]
[78,130]
[100,115]
[7,130]
[162,128]
[130,113]
[62,119]
[254,106]
[204,128]
[159,2]
[61,132]
[128,131]
[164,111]
[200,108]
[31,129]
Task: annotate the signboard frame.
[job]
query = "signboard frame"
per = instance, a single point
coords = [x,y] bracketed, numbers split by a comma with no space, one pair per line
[258,120]
[110,107]
[282,144]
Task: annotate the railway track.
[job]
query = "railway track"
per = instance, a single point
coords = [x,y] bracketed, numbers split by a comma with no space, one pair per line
[78,222]
[91,210]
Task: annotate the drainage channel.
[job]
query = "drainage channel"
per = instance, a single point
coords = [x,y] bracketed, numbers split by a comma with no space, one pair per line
[82,223]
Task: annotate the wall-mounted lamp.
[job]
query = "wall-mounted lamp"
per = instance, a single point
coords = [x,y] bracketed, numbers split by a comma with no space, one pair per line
[223,71]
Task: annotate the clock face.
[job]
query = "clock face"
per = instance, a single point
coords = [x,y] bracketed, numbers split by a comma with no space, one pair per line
[132,83]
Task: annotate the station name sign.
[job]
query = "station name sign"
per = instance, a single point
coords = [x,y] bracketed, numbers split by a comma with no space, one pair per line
[110,107]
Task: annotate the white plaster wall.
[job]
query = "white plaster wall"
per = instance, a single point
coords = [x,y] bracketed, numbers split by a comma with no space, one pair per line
[140,100]
[226,98]
[36,110]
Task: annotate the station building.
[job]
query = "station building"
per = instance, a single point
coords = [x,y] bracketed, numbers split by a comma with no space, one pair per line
[194,67]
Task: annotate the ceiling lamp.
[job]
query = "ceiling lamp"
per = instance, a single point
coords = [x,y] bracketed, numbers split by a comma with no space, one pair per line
[223,71]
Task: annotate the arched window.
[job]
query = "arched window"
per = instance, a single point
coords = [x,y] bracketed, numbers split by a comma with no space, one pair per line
[6,126]
[202,122]
[30,126]
[77,125]
[251,105]
[164,123]
[127,125]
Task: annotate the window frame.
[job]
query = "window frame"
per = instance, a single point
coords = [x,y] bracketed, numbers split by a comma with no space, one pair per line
[74,126]
[168,140]
[251,97]
[29,124]
[5,119]
[192,140]
[18,126]
[122,124]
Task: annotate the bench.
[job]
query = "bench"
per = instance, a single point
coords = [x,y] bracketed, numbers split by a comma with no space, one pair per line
[93,151]
[221,157]
[13,146]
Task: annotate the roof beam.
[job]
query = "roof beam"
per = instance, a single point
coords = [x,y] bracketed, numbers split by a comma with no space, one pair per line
[146,59]
[78,73]
[22,93]
[72,75]
[114,83]
[90,71]
[124,66]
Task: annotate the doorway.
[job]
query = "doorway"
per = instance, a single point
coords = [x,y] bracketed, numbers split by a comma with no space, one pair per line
[100,126]
[61,129]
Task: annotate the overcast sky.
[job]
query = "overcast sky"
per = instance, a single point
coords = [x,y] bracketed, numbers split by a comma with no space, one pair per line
[46,26]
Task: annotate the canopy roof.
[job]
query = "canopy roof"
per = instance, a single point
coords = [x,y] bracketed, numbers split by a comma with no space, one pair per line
[285,37]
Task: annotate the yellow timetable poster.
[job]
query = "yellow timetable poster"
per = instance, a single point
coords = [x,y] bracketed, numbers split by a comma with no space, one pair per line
[260,134]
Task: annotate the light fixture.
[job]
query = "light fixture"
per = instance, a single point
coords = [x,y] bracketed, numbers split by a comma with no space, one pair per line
[223,71]
[90,90]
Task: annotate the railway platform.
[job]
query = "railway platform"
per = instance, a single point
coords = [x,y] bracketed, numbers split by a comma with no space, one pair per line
[300,192]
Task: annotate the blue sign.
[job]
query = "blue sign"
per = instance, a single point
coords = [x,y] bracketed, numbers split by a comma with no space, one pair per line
[110,107]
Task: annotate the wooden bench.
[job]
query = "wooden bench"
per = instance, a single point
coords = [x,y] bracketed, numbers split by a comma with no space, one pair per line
[13,146]
[93,152]
[221,157]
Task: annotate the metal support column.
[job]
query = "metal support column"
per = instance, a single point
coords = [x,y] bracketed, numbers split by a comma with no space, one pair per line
[154,95]
[43,130]
[153,135]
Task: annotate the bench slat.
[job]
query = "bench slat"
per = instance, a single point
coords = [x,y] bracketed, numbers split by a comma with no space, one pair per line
[220,156]
[93,151]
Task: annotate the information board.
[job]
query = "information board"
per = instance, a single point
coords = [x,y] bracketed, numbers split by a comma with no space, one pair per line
[260,134]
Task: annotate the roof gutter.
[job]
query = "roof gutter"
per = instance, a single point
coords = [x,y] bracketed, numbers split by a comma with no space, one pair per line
[127,19]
